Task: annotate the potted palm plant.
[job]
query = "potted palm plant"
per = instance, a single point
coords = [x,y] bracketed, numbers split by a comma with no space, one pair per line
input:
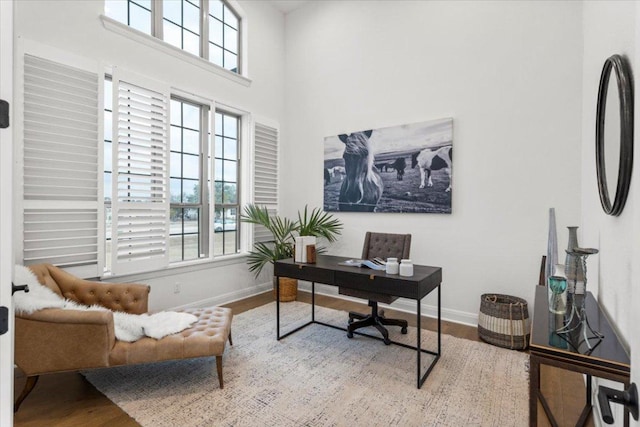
[284,231]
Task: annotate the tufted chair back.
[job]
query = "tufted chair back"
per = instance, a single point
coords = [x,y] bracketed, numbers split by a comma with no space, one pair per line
[386,245]
[127,298]
[382,245]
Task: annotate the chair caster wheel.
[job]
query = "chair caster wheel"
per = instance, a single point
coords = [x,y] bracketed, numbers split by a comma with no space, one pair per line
[403,330]
[349,334]
[387,341]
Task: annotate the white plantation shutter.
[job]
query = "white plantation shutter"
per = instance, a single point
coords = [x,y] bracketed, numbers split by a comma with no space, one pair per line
[61,137]
[140,201]
[265,177]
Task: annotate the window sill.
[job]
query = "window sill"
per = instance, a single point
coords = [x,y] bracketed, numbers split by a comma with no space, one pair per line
[133,34]
[183,267]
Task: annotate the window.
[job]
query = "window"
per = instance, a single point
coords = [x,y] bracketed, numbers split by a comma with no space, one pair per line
[186,240]
[194,219]
[224,35]
[171,182]
[134,13]
[181,24]
[227,170]
[214,35]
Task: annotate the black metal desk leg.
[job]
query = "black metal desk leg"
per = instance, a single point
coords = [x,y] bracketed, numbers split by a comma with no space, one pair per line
[313,301]
[439,320]
[419,336]
[278,308]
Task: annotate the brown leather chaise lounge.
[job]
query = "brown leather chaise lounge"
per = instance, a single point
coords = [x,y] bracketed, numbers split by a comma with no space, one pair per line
[55,340]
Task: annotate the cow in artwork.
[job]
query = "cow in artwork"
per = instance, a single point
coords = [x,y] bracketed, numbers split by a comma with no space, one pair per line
[399,165]
[432,160]
[382,167]
[338,171]
[362,187]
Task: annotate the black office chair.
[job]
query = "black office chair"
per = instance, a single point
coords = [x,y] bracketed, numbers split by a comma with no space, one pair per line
[382,245]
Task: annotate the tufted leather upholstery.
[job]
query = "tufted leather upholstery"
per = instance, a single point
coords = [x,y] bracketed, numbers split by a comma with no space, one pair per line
[382,245]
[54,340]
[386,245]
[207,337]
[129,298]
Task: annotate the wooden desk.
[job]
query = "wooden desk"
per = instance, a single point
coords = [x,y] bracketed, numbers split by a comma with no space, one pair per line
[327,270]
[608,359]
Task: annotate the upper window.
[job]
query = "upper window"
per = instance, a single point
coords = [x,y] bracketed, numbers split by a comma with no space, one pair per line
[134,13]
[214,35]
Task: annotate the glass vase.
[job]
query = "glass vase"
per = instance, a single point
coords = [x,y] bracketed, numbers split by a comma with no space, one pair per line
[557,291]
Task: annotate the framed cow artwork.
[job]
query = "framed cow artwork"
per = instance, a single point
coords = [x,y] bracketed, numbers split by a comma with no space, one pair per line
[403,168]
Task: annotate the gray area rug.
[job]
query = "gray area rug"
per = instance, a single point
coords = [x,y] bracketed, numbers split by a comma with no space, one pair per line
[319,377]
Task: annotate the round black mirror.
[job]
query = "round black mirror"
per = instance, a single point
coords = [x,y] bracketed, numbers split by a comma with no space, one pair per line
[614,134]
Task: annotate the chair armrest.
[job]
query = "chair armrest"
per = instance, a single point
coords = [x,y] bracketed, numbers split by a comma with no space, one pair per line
[55,340]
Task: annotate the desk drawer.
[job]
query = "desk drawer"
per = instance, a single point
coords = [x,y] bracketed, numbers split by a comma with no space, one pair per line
[306,272]
[377,282]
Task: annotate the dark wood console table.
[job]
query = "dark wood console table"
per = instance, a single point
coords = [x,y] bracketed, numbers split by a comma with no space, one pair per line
[606,358]
[327,270]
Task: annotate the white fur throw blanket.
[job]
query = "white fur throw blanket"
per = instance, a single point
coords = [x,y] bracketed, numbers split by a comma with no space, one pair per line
[128,327]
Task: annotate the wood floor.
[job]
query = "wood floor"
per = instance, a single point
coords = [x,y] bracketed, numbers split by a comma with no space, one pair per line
[68,400]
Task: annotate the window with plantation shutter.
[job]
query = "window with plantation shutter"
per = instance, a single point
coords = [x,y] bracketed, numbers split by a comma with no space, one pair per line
[61,133]
[140,201]
[265,177]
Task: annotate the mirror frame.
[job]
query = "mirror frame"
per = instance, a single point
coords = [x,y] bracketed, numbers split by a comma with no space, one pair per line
[625,95]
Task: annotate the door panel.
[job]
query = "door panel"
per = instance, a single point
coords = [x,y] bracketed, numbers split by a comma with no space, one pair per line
[6,238]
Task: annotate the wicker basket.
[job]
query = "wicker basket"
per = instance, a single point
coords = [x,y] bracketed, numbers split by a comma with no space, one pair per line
[288,289]
[504,321]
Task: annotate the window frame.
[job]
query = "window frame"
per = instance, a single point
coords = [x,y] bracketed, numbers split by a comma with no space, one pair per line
[203,207]
[241,118]
[157,34]
[207,137]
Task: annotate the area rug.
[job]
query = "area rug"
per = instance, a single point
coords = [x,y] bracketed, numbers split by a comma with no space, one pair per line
[319,377]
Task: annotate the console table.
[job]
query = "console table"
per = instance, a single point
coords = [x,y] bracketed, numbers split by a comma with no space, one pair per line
[327,270]
[606,358]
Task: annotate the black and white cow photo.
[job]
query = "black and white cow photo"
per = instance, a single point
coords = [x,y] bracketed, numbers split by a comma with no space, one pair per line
[395,169]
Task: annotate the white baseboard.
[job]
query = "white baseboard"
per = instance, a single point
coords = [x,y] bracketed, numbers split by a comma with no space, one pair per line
[228,297]
[402,304]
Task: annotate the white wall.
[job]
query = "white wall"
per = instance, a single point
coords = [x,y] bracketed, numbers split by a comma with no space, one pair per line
[611,28]
[510,75]
[76,27]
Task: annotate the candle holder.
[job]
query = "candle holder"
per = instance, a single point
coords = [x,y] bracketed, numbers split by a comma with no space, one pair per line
[576,325]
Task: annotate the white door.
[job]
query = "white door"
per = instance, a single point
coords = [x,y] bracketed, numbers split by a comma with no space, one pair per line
[6,238]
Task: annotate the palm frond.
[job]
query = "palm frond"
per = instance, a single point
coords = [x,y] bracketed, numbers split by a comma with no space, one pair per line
[319,224]
[315,223]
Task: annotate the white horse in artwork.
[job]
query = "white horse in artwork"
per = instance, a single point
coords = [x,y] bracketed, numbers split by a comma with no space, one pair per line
[362,188]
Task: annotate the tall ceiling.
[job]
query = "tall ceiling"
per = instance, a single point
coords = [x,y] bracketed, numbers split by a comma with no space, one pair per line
[286,6]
